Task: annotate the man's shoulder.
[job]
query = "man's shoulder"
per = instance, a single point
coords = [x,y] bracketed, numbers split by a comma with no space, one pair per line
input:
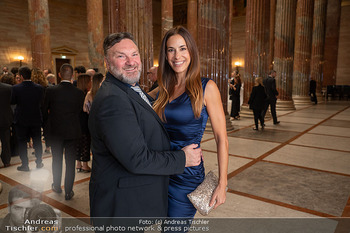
[17,86]
[110,95]
[112,88]
[63,86]
[38,87]
[5,85]
[269,80]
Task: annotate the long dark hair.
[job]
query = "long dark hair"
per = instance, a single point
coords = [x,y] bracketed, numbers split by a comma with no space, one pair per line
[167,77]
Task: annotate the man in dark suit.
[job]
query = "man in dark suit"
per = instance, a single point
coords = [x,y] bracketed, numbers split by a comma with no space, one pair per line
[6,118]
[272,93]
[131,149]
[152,76]
[28,98]
[312,90]
[62,107]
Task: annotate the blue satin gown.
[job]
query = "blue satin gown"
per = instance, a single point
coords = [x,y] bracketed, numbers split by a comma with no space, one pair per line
[184,129]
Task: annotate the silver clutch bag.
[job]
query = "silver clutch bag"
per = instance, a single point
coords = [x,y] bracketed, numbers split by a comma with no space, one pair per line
[201,196]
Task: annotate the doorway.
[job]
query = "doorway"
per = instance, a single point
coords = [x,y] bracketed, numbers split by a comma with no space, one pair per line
[59,63]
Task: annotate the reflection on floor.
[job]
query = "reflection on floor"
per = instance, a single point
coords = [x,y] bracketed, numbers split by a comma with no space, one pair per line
[299,168]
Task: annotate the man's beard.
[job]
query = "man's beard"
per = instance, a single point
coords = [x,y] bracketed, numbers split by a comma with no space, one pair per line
[132,79]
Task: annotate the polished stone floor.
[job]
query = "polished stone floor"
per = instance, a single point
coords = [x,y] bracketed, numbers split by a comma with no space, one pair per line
[297,169]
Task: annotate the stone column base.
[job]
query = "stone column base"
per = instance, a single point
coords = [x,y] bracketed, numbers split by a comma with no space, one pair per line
[301,101]
[248,113]
[320,97]
[229,126]
[285,105]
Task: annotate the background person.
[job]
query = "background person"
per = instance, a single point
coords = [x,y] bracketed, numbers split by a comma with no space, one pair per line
[235,89]
[62,108]
[90,72]
[28,96]
[312,90]
[6,118]
[51,79]
[96,83]
[152,76]
[83,146]
[272,93]
[257,102]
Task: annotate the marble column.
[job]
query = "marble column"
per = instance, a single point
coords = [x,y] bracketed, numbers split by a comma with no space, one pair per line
[272,32]
[192,18]
[167,16]
[39,22]
[331,43]
[135,17]
[318,40]
[95,33]
[284,51]
[257,39]
[213,31]
[257,46]
[302,52]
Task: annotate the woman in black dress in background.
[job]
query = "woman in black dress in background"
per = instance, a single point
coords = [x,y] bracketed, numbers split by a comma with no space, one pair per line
[83,147]
[235,88]
[257,102]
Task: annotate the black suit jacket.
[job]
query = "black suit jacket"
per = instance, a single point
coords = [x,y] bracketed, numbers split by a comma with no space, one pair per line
[28,98]
[6,116]
[257,98]
[62,106]
[131,157]
[270,88]
[312,86]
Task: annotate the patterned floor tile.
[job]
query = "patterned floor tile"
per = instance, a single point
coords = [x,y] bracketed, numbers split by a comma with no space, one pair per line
[337,123]
[319,191]
[295,119]
[322,141]
[330,130]
[211,162]
[320,159]
[267,134]
[243,147]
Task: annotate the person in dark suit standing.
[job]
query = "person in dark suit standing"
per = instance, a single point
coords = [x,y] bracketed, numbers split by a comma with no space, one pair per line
[132,160]
[152,76]
[6,118]
[272,93]
[62,107]
[28,98]
[257,102]
[312,90]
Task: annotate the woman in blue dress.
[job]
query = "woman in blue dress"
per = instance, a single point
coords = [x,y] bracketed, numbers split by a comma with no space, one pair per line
[184,101]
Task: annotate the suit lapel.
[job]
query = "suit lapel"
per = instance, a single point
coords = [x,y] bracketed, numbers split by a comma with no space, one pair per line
[136,97]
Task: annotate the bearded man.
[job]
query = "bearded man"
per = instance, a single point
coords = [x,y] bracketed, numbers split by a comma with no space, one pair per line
[132,160]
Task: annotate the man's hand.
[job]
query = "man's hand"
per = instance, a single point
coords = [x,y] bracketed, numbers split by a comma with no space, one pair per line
[193,155]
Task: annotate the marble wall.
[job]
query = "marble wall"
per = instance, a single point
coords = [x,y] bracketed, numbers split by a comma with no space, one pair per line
[68,28]
[343,68]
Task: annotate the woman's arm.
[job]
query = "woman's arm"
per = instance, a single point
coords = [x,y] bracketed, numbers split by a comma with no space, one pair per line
[212,100]
[87,102]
